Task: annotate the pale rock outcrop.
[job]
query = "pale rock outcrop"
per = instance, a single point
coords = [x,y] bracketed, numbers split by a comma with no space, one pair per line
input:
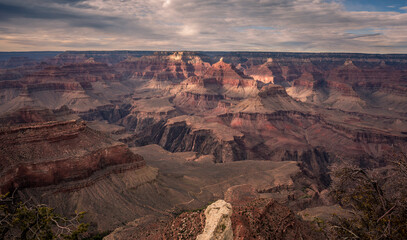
[218,225]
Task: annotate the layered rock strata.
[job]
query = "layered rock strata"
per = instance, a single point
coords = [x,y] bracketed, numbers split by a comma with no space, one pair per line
[47,153]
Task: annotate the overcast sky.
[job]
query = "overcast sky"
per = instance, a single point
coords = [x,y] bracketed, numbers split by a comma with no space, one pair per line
[370,26]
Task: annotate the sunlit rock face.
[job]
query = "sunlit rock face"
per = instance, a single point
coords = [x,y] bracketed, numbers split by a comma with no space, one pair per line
[164,68]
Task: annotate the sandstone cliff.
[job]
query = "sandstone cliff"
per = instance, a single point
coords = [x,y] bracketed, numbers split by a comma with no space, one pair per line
[47,153]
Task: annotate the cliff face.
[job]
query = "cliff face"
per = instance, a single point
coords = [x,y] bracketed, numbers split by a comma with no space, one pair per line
[182,134]
[171,68]
[267,72]
[47,153]
[80,86]
[30,115]
[194,101]
[296,130]
[353,86]
[222,81]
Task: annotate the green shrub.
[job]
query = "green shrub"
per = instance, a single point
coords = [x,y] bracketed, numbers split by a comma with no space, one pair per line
[21,220]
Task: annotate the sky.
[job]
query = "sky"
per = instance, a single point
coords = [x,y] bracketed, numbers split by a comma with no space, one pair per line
[366,26]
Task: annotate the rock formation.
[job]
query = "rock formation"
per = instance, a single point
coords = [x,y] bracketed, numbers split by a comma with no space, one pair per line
[217,224]
[163,69]
[47,153]
[186,133]
[251,218]
[198,119]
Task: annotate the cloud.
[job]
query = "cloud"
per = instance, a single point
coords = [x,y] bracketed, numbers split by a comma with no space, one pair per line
[364,35]
[166,3]
[19,10]
[266,25]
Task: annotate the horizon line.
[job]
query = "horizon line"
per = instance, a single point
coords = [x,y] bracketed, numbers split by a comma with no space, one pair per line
[213,51]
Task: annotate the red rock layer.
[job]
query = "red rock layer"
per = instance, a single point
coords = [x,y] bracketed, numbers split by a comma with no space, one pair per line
[383,87]
[32,115]
[350,73]
[49,153]
[268,72]
[84,72]
[272,91]
[109,58]
[226,74]
[173,68]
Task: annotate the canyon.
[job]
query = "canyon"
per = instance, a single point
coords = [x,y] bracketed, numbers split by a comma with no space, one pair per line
[136,137]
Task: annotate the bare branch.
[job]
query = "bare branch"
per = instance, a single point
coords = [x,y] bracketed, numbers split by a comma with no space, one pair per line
[391,209]
[349,231]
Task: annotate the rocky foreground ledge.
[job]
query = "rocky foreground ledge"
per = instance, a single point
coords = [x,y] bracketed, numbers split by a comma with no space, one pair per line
[218,224]
[242,215]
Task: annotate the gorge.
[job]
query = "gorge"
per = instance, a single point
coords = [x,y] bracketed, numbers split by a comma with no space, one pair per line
[136,137]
